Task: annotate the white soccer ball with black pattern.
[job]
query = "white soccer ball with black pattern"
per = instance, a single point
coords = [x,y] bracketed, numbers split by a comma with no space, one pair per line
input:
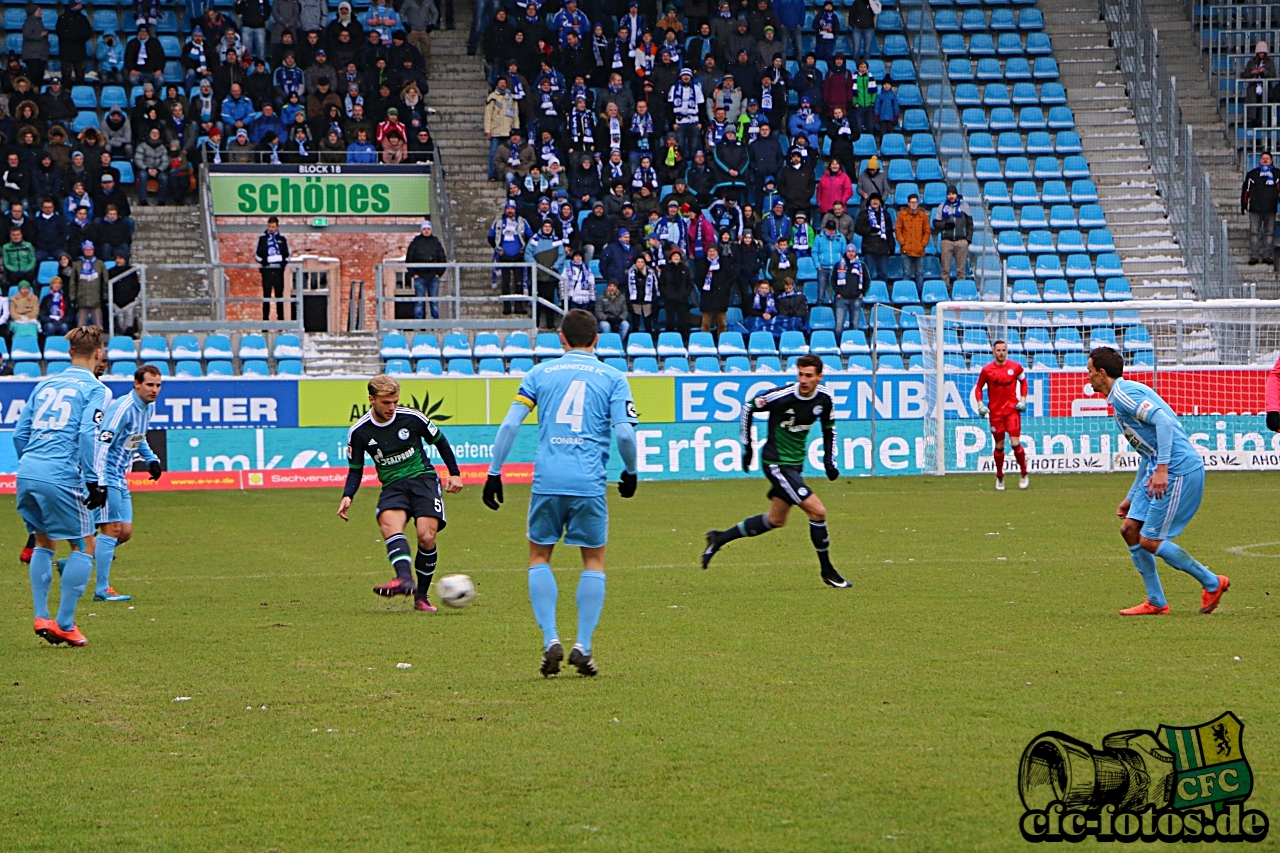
[455,590]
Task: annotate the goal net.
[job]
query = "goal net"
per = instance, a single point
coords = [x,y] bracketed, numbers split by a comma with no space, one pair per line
[1209,360]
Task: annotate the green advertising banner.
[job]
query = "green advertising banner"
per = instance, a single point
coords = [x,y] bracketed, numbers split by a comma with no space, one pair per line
[459,402]
[331,194]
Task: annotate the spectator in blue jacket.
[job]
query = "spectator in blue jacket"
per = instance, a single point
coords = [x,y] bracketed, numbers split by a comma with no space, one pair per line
[805,121]
[618,257]
[887,109]
[508,235]
[828,247]
[362,150]
[237,111]
[49,231]
[791,15]
[266,122]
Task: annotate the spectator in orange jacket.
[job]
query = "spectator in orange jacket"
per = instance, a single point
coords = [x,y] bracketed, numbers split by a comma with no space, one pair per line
[912,231]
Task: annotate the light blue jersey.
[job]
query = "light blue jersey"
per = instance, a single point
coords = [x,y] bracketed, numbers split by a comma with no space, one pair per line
[123,438]
[1152,429]
[580,400]
[57,434]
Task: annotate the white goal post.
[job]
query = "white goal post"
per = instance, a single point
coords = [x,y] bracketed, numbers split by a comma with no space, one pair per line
[1208,359]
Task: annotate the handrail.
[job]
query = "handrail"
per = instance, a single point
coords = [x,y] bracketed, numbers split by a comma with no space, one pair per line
[1184,184]
[450,301]
[440,199]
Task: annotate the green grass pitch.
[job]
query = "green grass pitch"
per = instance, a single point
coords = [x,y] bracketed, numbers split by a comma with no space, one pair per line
[745,708]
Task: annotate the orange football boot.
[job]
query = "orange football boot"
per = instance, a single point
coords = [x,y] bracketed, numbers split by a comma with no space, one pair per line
[1209,600]
[72,637]
[1146,608]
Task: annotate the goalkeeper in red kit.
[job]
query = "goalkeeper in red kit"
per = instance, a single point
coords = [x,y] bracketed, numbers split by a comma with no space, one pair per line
[1006,386]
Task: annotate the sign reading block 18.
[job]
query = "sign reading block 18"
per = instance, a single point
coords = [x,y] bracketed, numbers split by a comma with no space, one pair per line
[384,192]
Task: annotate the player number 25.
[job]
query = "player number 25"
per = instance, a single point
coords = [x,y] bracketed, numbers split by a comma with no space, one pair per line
[55,403]
[571,406]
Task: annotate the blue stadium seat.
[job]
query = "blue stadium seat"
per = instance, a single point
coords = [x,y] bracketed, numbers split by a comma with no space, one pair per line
[671,344]
[1025,192]
[1067,142]
[113,96]
[56,349]
[1037,340]
[119,348]
[821,317]
[965,290]
[1040,242]
[975,341]
[960,70]
[1009,142]
[1091,216]
[760,344]
[397,367]
[1039,142]
[644,364]
[1017,169]
[1056,290]
[193,368]
[706,364]
[1002,218]
[1002,121]
[1045,361]
[27,369]
[1100,240]
[1087,290]
[988,169]
[486,345]
[547,345]
[394,345]
[891,362]
[1137,338]
[823,342]
[905,293]
[981,144]
[859,364]
[792,343]
[288,367]
[429,367]
[1010,243]
[886,342]
[456,345]
[1045,68]
[259,367]
[912,343]
[854,342]
[1030,20]
[217,346]
[768,364]
[518,345]
[1009,45]
[520,366]
[1032,217]
[188,347]
[459,367]
[490,366]
[675,364]
[731,344]
[1117,289]
[251,346]
[84,97]
[1075,361]
[1039,45]
[1019,266]
[640,344]
[1024,290]
[1062,216]
[737,364]
[219,367]
[610,345]
[1047,267]
[1108,265]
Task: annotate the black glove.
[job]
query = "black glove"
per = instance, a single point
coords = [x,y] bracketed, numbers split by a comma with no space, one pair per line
[833,473]
[155,470]
[747,453]
[97,496]
[493,491]
[627,485]
[1273,421]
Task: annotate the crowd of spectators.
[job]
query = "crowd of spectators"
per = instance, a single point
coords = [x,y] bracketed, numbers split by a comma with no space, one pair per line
[678,151]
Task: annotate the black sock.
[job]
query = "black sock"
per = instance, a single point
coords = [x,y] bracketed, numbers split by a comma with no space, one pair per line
[753,526]
[31,540]
[821,543]
[399,554]
[425,566]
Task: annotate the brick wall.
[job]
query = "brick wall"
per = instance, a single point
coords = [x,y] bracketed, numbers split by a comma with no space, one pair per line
[357,254]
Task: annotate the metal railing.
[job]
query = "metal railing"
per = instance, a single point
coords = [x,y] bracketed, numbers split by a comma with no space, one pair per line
[953,148]
[1184,184]
[211,313]
[440,202]
[452,306]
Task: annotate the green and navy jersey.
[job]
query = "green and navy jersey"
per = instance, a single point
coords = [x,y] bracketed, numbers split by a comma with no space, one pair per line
[394,447]
[56,437]
[790,416]
[579,400]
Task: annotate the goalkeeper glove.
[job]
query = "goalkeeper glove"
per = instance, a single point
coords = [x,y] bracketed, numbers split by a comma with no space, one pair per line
[1273,421]
[983,411]
[155,470]
[627,484]
[1022,406]
[492,491]
[833,473]
[97,496]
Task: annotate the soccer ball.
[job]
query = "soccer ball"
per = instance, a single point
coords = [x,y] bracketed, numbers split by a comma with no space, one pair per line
[456,590]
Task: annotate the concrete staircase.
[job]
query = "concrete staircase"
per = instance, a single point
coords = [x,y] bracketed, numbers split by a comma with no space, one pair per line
[1127,191]
[458,90]
[1181,54]
[341,354]
[173,235]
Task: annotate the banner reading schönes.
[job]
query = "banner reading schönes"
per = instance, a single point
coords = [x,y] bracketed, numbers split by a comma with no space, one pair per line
[320,190]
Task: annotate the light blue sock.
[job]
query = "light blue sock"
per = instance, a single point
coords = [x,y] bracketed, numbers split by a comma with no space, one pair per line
[542,595]
[74,579]
[590,604]
[104,555]
[1145,562]
[1172,554]
[41,580]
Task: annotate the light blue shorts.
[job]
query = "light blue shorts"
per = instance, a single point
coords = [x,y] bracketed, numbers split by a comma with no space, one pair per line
[118,508]
[56,510]
[1167,517]
[583,521]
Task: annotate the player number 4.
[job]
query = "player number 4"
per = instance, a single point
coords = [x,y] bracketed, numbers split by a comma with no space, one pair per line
[571,406]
